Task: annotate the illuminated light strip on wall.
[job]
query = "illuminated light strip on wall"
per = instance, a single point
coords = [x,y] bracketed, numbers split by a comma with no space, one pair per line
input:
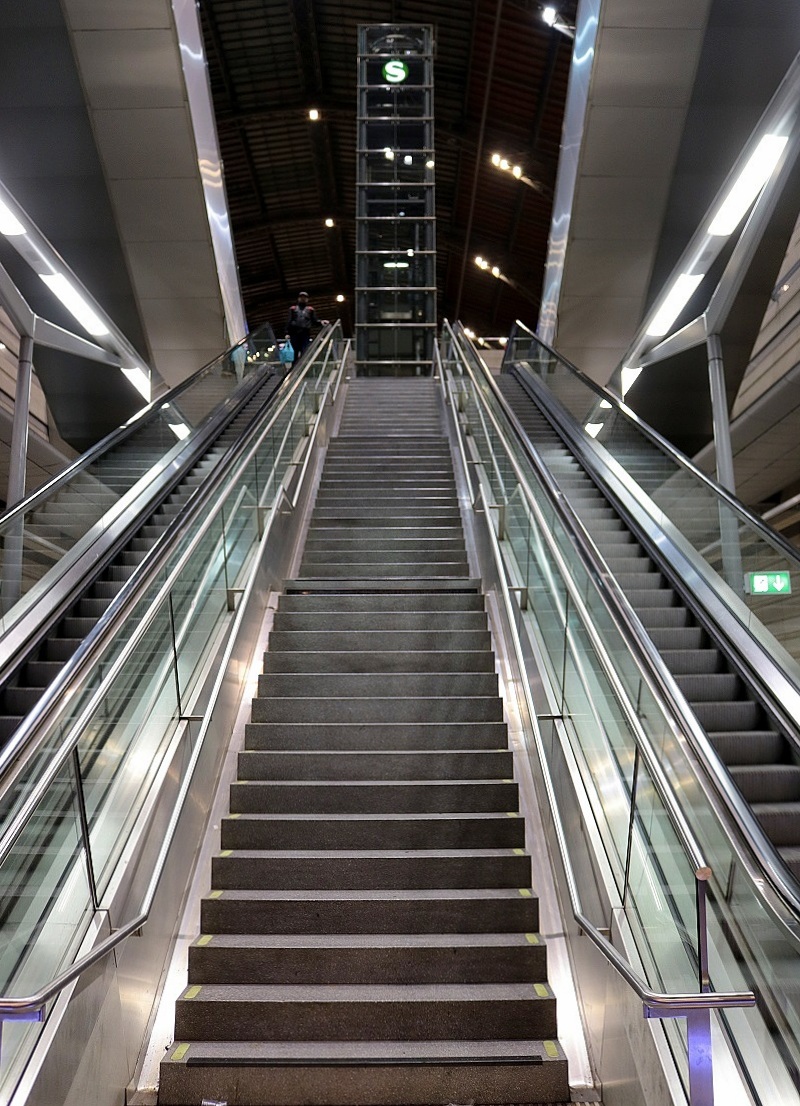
[74,303]
[676,299]
[10,225]
[748,184]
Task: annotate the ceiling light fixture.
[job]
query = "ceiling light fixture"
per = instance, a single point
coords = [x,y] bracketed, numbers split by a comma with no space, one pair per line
[75,303]
[628,378]
[313,114]
[748,184]
[10,225]
[340,298]
[140,380]
[676,299]
[329,222]
[549,16]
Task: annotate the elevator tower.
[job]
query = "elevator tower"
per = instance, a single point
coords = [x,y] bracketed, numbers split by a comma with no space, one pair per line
[395,212]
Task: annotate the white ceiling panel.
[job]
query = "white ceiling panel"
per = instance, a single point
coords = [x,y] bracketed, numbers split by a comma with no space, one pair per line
[160,210]
[636,13]
[171,269]
[630,142]
[646,68]
[615,207]
[168,322]
[129,68]
[146,143]
[96,15]
[597,268]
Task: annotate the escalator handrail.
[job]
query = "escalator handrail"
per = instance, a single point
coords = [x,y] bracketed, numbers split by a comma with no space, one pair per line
[663,444]
[23,743]
[115,437]
[771,868]
[656,1003]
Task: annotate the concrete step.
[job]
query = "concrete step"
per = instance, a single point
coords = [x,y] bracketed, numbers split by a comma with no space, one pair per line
[483,910]
[243,869]
[372,958]
[362,553]
[488,708]
[362,1073]
[372,796]
[343,736]
[388,684]
[375,765]
[386,570]
[379,602]
[355,621]
[492,830]
[416,1012]
[379,662]
[392,641]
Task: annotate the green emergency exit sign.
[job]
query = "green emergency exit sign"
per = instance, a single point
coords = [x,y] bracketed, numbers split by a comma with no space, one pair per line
[768,583]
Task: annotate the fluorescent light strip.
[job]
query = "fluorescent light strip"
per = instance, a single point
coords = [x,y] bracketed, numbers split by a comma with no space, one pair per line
[75,303]
[748,184]
[593,428]
[10,225]
[629,377]
[140,380]
[678,296]
[179,429]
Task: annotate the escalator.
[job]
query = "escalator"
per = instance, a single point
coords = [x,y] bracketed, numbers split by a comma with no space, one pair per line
[44,658]
[758,748]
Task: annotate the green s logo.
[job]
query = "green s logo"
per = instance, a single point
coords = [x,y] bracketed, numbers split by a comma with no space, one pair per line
[395,71]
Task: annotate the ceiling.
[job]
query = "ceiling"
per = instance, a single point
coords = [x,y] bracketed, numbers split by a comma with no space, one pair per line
[500,85]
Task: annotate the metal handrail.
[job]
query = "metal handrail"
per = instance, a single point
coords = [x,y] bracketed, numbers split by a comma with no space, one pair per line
[31,1007]
[664,445]
[656,1003]
[770,866]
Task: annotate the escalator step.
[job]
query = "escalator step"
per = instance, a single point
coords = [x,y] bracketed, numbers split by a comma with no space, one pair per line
[767,783]
[749,746]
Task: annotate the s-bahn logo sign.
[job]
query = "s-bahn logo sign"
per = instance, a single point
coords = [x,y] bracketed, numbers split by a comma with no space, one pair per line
[395,71]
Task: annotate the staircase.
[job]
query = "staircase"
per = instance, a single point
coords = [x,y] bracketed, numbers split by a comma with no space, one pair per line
[760,759]
[371,936]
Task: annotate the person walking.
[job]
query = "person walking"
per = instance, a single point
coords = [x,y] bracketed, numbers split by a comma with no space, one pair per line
[302,317]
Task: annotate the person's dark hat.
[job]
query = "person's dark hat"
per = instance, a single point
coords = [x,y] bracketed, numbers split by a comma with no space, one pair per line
[299,294]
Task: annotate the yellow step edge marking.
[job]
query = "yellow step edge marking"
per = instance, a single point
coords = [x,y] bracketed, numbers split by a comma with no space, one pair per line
[215,895]
[226,852]
[541,990]
[205,939]
[508,781]
[512,813]
[551,1049]
[234,815]
[526,892]
[193,992]
[179,1052]
[519,852]
[532,938]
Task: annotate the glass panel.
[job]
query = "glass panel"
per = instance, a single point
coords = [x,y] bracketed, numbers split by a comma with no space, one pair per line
[46,908]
